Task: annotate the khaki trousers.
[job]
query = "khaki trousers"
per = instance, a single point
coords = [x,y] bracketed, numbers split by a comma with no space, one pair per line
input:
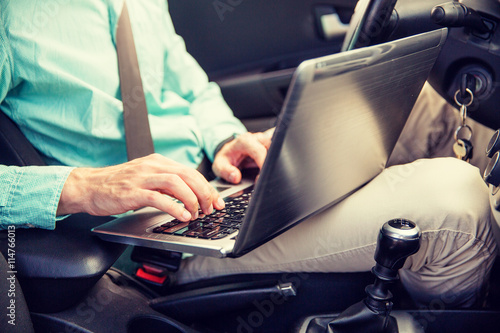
[446,197]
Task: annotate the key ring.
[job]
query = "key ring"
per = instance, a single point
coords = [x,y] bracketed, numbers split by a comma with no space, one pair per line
[471,97]
[463,114]
[460,128]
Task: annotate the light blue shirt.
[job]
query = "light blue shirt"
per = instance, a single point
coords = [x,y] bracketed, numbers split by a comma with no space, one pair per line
[59,82]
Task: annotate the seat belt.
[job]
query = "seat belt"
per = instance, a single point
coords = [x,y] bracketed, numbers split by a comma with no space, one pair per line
[154,263]
[135,113]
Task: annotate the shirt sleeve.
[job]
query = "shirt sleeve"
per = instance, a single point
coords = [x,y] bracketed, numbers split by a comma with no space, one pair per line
[214,117]
[29,196]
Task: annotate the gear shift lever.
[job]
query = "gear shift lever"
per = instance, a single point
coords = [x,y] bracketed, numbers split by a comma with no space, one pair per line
[398,239]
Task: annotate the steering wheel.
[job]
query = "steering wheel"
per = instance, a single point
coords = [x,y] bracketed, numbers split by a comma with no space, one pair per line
[368,23]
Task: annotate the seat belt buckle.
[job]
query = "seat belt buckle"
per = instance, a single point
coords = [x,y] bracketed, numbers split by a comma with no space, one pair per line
[153,274]
[155,264]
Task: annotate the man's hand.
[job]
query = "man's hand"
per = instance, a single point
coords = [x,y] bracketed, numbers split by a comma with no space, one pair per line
[139,183]
[247,150]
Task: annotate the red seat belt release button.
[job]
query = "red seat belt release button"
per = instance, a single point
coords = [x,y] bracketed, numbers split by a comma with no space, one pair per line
[157,279]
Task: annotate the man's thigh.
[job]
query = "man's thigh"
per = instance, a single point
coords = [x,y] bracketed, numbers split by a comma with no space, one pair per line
[433,193]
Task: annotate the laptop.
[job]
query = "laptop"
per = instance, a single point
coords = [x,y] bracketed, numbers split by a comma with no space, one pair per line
[340,121]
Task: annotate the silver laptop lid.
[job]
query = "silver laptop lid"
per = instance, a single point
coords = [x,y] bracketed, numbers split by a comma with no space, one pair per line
[342,117]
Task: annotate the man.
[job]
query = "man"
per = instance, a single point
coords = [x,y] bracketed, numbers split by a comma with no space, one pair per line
[66,99]
[60,84]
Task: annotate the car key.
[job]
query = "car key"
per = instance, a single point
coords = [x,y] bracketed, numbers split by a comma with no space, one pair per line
[468,150]
[463,149]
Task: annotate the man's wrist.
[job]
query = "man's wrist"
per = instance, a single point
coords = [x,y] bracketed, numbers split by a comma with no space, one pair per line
[220,145]
[72,197]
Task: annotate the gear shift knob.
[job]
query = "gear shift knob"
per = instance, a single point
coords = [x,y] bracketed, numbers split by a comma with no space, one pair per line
[397,240]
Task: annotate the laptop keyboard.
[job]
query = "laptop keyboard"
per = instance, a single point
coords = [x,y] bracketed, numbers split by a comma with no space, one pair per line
[217,225]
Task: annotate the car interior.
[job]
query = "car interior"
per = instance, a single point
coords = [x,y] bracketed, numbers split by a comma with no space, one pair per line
[68,275]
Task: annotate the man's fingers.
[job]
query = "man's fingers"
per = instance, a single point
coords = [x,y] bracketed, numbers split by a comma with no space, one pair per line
[247,146]
[138,183]
[167,205]
[227,171]
[174,186]
[258,153]
[250,145]
[266,137]
[208,197]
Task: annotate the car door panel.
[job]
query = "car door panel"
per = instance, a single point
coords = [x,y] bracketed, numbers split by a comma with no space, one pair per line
[251,47]
[257,98]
